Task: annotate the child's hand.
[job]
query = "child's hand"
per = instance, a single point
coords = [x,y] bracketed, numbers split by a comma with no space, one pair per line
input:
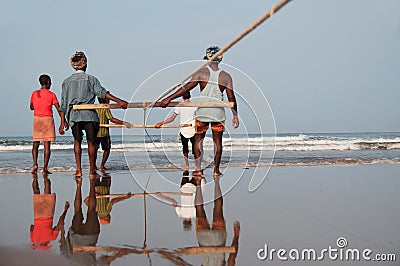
[128,125]
[62,127]
[61,130]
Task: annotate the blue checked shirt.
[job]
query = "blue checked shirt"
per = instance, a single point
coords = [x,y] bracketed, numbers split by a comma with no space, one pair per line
[80,88]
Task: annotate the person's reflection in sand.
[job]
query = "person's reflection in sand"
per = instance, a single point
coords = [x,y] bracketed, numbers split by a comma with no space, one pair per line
[215,235]
[185,209]
[104,205]
[42,230]
[84,233]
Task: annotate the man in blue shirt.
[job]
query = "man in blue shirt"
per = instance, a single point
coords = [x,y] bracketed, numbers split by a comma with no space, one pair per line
[81,88]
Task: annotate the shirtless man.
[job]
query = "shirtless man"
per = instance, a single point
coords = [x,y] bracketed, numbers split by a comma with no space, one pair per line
[213,82]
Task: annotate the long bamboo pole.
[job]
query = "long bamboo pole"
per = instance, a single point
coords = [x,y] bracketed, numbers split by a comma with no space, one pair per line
[143,194]
[144,126]
[181,251]
[263,18]
[205,250]
[157,104]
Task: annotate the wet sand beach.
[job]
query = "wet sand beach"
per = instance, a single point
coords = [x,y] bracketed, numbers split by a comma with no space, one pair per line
[295,208]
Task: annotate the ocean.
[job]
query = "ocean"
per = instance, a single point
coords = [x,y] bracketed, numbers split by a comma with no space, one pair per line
[164,152]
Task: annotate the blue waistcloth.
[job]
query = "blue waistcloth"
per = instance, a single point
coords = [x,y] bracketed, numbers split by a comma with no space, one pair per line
[80,88]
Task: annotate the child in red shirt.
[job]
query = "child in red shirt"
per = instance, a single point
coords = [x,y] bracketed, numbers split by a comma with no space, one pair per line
[42,231]
[41,103]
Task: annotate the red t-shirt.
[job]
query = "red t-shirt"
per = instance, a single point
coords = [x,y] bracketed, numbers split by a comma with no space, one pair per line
[42,231]
[43,101]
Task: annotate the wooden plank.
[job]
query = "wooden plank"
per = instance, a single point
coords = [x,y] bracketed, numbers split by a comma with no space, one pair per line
[157,104]
[144,126]
[143,194]
[181,251]
[205,250]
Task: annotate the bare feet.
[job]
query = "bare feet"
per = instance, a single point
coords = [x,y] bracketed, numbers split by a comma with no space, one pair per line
[197,179]
[86,201]
[78,181]
[46,172]
[103,168]
[34,169]
[197,173]
[78,173]
[94,175]
[217,174]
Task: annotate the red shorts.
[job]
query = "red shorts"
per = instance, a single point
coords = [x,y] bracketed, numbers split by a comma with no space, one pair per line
[202,224]
[202,127]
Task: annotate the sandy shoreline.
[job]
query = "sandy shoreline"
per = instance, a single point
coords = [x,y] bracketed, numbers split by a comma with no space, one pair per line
[295,207]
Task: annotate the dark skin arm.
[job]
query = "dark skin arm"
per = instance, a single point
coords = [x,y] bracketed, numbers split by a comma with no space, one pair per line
[62,117]
[201,78]
[235,243]
[60,223]
[122,103]
[231,98]
[116,200]
[109,96]
[121,252]
[196,78]
[166,121]
[120,122]
[164,197]
[63,124]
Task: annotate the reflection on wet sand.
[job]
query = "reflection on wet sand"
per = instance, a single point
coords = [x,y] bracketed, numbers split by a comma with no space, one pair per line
[42,231]
[104,203]
[215,235]
[83,233]
[185,209]
[211,239]
[174,256]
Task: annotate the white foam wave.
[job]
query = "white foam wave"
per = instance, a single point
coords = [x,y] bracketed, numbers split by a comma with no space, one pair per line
[28,147]
[266,143]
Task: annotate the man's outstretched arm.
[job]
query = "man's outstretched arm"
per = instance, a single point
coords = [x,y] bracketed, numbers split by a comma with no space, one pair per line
[187,87]
[231,98]
[166,121]
[122,103]
[120,122]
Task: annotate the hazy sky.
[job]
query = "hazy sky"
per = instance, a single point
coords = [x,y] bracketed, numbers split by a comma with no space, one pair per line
[323,65]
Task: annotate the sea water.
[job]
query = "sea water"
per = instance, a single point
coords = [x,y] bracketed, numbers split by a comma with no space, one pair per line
[164,152]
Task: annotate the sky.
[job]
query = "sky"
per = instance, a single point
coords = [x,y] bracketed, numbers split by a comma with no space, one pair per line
[323,66]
